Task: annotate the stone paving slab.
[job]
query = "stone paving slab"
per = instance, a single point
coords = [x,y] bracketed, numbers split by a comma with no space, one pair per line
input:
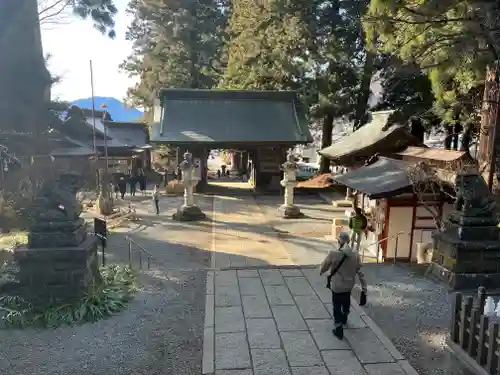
[231,351]
[262,334]
[279,321]
[229,319]
[256,307]
[250,286]
[279,295]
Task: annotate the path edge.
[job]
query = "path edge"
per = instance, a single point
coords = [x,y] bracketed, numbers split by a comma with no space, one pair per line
[400,359]
[208,353]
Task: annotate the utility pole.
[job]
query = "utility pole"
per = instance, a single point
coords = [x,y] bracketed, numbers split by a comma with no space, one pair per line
[104,106]
[96,155]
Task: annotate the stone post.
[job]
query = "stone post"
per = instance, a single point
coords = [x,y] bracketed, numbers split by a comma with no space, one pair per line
[104,201]
[288,209]
[189,211]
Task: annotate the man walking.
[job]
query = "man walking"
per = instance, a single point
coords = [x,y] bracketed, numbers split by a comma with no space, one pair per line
[357,224]
[342,266]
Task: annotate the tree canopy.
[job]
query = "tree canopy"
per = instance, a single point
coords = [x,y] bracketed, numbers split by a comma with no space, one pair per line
[175,44]
[267,46]
[452,41]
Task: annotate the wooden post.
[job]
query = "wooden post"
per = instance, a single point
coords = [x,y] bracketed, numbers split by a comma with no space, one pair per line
[473,327]
[483,334]
[455,317]
[480,299]
[492,347]
[463,338]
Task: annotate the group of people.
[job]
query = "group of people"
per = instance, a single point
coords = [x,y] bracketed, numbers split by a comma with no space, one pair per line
[121,188]
[132,180]
[341,266]
[223,171]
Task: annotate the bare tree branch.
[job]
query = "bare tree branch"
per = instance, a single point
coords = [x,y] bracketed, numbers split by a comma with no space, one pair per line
[53,11]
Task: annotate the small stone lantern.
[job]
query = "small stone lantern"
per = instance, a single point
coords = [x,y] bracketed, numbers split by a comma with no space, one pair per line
[288,210]
[189,211]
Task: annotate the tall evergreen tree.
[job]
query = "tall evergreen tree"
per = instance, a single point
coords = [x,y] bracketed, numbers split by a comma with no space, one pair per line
[175,44]
[405,88]
[343,68]
[268,45]
[452,41]
[313,47]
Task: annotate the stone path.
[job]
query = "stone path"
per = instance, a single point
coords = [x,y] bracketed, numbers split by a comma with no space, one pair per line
[278,321]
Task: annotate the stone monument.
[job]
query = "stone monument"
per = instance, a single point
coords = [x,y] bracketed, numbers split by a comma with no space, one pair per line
[467,250]
[60,261]
[189,211]
[289,182]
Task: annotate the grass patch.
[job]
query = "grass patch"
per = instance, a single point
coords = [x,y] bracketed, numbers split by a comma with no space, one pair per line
[9,241]
[110,297]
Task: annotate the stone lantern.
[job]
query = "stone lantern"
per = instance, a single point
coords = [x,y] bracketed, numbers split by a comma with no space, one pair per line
[288,210]
[189,211]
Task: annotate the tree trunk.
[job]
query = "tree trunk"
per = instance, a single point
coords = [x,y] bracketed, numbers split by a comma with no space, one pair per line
[326,140]
[488,153]
[364,91]
[24,79]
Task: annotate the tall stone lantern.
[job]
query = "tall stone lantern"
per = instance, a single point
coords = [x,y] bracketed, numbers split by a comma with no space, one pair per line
[188,211]
[289,182]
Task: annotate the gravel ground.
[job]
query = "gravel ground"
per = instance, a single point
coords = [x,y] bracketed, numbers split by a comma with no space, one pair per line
[160,333]
[414,313]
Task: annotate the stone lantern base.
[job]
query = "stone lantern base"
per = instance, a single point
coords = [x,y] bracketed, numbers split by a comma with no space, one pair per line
[289,211]
[188,213]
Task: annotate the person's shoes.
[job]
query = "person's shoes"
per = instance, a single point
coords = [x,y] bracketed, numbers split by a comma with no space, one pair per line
[338,332]
[344,321]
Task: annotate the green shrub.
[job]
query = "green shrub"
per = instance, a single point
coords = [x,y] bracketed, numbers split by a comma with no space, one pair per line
[119,285]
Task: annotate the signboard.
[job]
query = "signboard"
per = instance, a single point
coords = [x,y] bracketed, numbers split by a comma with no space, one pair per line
[269,161]
[101,230]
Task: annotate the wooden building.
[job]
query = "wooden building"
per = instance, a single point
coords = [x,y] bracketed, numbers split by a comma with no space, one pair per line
[400,216]
[127,143]
[259,124]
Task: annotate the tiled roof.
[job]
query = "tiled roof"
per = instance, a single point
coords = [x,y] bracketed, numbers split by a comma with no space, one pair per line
[372,138]
[386,177]
[130,133]
[230,116]
[435,154]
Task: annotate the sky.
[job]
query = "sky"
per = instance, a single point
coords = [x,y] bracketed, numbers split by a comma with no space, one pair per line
[72,43]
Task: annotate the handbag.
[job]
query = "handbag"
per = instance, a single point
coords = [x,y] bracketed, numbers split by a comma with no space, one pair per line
[362,299]
[329,277]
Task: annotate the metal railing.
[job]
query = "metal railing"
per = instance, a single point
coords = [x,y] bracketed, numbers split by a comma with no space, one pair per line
[133,246]
[378,246]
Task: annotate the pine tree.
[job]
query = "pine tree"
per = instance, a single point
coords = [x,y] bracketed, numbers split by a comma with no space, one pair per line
[405,88]
[175,44]
[343,68]
[314,47]
[267,47]
[452,41]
